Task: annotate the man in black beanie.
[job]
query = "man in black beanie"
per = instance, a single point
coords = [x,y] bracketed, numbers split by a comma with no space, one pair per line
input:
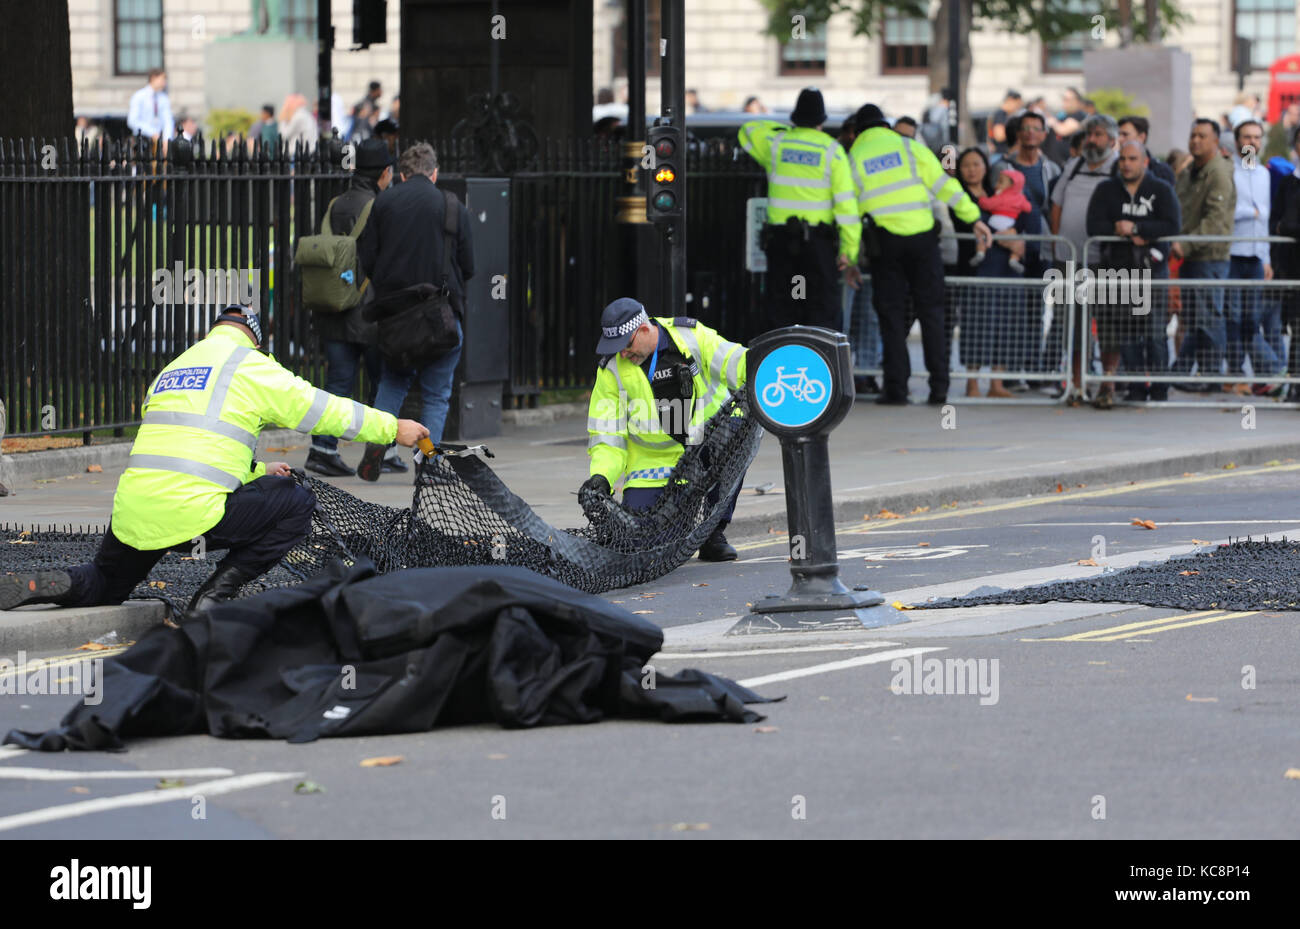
[812,227]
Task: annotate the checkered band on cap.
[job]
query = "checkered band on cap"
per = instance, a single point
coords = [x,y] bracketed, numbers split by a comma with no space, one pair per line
[627,328]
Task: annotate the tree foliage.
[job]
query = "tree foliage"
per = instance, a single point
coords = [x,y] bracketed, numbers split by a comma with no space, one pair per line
[1051,20]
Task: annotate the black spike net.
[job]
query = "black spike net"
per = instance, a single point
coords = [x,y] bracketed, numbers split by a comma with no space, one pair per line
[462,514]
[1240,575]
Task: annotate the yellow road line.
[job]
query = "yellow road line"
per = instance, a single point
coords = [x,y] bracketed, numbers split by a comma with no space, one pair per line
[60,661]
[860,529]
[1084,636]
[1195,622]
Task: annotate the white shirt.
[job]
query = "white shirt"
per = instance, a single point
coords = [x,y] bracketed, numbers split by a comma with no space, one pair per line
[150,113]
[1253,196]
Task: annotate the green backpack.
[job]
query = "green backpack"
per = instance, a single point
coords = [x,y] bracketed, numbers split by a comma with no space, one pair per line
[330,271]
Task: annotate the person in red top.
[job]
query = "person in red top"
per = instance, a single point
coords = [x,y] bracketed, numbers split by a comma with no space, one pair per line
[1005,205]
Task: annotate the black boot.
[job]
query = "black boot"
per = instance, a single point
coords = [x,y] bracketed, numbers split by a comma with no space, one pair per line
[328,463]
[372,462]
[224,584]
[33,587]
[717,548]
[393,463]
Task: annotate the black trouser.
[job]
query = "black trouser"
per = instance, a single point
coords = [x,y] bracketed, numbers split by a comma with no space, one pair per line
[910,266]
[817,301]
[263,520]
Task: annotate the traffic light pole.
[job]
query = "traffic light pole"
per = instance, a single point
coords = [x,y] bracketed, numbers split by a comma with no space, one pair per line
[672,110]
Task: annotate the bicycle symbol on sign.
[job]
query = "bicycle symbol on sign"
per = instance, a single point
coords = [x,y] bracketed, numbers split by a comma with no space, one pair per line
[800,384]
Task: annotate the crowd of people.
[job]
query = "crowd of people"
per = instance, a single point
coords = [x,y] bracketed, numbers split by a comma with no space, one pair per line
[1077,174]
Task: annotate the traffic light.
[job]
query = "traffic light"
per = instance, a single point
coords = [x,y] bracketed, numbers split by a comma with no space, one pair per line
[667,178]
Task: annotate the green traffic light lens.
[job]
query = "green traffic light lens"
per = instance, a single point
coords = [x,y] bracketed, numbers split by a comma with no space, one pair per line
[665,200]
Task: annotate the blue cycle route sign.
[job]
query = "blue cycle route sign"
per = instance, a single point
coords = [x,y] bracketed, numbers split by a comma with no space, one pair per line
[793,385]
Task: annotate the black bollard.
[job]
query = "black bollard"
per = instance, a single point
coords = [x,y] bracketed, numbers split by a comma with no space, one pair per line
[800,388]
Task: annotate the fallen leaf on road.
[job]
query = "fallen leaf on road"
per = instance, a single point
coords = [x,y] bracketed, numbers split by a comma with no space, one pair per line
[699,585]
[94,469]
[308,787]
[1060,488]
[1272,464]
[383,761]
[950,506]
[887,514]
[922,544]
[1292,774]
[767,729]
[168,784]
[1087,563]
[286,448]
[79,790]
[1188,573]
[690,827]
[1229,466]
[1200,542]
[94,647]
[1202,699]
[920,509]
[902,451]
[899,605]
[1144,523]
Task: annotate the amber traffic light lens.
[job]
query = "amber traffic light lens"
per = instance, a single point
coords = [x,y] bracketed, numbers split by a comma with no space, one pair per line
[665,175]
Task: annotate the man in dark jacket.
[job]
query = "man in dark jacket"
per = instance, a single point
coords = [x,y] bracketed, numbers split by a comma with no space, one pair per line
[401,249]
[1141,208]
[346,337]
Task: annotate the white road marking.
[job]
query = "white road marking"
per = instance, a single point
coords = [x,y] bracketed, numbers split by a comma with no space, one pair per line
[145,798]
[11,751]
[54,774]
[750,653]
[832,666]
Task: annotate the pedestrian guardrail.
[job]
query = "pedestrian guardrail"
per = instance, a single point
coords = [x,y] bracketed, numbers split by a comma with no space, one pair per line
[1200,330]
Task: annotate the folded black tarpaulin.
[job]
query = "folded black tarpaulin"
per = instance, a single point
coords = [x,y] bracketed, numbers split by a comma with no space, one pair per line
[350,653]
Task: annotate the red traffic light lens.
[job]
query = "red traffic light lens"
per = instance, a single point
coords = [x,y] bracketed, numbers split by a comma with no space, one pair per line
[665,200]
[665,175]
[664,148]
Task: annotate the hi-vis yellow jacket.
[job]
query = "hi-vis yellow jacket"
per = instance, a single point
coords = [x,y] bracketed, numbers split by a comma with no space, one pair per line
[808,177]
[202,417]
[627,434]
[896,177]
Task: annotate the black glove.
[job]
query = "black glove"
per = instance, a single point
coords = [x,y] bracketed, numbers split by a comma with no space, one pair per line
[594,496]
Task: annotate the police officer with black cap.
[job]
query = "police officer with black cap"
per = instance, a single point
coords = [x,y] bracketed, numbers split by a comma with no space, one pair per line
[659,382]
[813,228]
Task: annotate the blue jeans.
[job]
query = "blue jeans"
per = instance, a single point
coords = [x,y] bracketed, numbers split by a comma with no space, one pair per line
[1203,313]
[1243,316]
[862,327]
[341,360]
[435,383]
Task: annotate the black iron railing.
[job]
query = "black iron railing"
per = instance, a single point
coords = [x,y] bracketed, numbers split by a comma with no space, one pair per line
[113,260]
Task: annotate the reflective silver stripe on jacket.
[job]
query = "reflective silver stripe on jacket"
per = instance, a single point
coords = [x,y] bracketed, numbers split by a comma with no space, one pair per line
[782,203]
[899,208]
[358,420]
[845,195]
[199,421]
[319,402]
[616,441]
[596,424]
[185,466]
[891,187]
[224,377]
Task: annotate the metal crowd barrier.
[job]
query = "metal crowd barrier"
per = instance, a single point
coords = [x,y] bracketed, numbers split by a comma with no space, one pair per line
[1002,329]
[1228,339]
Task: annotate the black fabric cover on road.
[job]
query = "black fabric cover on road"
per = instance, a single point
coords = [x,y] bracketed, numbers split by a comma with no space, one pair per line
[1241,576]
[353,653]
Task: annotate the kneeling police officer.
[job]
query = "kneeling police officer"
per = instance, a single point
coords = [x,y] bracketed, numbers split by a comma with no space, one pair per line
[191,473]
[659,382]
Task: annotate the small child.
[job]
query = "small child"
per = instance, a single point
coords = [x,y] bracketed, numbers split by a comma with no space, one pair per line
[1005,206]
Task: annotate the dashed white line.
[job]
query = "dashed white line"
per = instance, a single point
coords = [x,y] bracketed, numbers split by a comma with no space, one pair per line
[145,798]
[54,774]
[836,666]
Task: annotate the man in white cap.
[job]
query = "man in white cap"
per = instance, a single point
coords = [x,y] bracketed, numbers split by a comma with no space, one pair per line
[659,382]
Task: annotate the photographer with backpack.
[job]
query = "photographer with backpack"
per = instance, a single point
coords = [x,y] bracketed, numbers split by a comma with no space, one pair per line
[336,291]
[417,251]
